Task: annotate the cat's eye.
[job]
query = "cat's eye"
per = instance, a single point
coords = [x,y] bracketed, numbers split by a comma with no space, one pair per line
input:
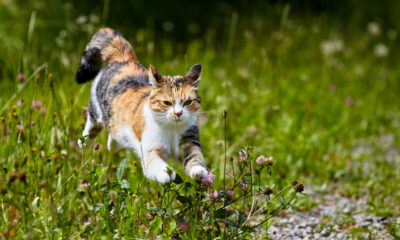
[167,103]
[187,102]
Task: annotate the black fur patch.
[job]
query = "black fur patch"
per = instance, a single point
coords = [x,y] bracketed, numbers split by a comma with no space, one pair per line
[91,66]
[191,136]
[92,113]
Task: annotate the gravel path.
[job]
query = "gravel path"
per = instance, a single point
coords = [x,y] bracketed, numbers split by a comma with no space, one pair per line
[336,217]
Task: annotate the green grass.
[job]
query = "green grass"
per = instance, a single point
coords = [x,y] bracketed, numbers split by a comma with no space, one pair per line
[328,119]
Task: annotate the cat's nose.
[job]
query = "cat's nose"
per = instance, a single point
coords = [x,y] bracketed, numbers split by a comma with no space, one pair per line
[178,114]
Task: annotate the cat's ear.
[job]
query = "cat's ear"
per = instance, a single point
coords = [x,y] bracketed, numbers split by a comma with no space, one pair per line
[155,78]
[194,74]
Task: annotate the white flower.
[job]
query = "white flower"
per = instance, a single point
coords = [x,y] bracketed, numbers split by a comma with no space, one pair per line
[373,28]
[381,50]
[81,20]
[329,47]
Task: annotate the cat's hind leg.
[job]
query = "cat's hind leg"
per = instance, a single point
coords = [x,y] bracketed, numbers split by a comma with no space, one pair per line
[112,145]
[90,132]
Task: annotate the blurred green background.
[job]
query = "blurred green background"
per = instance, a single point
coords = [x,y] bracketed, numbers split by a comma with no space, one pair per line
[313,83]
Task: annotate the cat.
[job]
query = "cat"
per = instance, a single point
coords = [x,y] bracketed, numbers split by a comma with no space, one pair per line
[151,114]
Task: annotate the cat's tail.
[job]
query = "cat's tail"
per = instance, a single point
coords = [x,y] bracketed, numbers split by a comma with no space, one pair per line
[106,45]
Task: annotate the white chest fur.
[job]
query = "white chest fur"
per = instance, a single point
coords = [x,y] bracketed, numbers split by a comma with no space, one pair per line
[165,136]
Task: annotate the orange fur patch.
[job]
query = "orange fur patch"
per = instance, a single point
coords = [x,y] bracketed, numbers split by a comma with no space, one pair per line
[169,92]
[119,50]
[127,109]
[129,70]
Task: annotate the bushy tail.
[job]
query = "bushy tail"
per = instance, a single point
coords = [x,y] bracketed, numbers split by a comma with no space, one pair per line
[106,45]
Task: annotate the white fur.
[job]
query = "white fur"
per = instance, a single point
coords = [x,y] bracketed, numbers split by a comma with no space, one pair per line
[152,80]
[198,172]
[93,97]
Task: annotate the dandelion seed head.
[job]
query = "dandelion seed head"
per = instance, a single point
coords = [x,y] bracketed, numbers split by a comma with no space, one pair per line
[381,50]
[373,28]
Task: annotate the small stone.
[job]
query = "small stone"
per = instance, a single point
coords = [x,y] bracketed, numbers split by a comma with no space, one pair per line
[325,232]
[340,235]
[365,223]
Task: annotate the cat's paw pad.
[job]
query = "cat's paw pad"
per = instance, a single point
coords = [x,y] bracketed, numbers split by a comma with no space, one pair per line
[198,172]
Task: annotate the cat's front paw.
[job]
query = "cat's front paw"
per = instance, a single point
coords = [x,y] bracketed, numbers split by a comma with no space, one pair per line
[162,174]
[198,172]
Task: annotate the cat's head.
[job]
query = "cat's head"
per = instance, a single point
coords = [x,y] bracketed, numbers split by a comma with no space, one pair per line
[175,99]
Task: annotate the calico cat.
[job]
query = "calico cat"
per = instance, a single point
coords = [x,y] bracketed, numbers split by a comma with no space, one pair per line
[144,111]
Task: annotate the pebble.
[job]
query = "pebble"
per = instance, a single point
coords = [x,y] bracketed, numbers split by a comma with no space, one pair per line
[325,232]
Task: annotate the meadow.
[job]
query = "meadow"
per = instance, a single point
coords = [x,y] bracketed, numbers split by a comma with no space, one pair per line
[317,93]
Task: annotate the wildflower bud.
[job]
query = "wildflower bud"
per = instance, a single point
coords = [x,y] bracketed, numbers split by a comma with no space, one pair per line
[3,191]
[12,177]
[260,160]
[209,229]
[20,102]
[21,175]
[14,108]
[72,143]
[14,114]
[96,146]
[42,111]
[133,196]
[149,216]
[208,180]
[21,78]
[268,191]
[54,156]
[224,114]
[229,194]
[258,171]
[244,185]
[294,183]
[50,76]
[185,225]
[299,187]
[58,167]
[42,154]
[20,128]
[25,156]
[64,152]
[42,184]
[3,120]
[231,159]
[242,155]
[37,76]
[212,195]
[270,161]
[58,144]
[33,150]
